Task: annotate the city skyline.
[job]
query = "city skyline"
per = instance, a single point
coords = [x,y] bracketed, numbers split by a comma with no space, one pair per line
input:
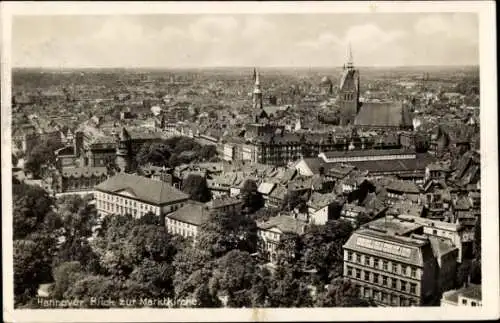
[243,40]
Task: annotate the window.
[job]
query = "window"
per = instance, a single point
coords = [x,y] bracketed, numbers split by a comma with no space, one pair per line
[384,264]
[413,288]
[413,272]
[464,301]
[349,271]
[473,304]
[358,258]
[395,299]
[384,280]
[434,232]
[384,297]
[403,286]
[367,275]
[375,278]
[367,292]
[367,261]
[349,256]
[358,274]
[393,283]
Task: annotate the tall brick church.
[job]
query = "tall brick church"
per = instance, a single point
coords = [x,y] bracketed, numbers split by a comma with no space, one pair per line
[368,115]
[348,98]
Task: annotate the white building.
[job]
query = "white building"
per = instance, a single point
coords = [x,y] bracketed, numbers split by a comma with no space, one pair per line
[467,296]
[137,195]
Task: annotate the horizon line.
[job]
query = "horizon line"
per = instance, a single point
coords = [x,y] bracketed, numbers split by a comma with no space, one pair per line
[234,66]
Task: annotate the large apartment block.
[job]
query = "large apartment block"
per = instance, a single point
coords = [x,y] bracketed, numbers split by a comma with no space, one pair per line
[393,265]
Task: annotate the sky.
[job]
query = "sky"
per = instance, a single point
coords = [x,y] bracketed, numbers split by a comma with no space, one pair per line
[264,40]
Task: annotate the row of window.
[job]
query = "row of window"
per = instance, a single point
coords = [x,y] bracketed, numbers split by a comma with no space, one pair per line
[382,264]
[181,231]
[387,298]
[375,278]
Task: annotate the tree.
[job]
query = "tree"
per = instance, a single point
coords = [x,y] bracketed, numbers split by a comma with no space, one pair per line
[31,206]
[196,187]
[96,287]
[264,214]
[157,154]
[233,275]
[208,152]
[287,290]
[252,199]
[186,263]
[155,276]
[292,200]
[66,275]
[341,293]
[322,248]
[32,265]
[226,231]
[42,154]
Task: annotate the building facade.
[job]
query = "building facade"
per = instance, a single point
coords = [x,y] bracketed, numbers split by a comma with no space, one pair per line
[137,196]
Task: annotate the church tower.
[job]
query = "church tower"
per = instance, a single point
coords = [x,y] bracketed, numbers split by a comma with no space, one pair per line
[123,160]
[261,115]
[257,93]
[348,98]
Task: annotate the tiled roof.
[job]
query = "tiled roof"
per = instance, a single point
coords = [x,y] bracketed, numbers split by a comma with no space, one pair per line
[285,223]
[222,202]
[441,246]
[191,213]
[471,291]
[318,201]
[403,186]
[145,189]
[397,165]
[392,114]
[266,188]
[368,152]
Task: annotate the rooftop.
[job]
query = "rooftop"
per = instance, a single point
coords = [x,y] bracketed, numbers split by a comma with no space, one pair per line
[142,188]
[285,223]
[192,213]
[471,291]
[393,226]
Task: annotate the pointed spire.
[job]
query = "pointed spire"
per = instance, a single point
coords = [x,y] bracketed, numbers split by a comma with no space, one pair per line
[254,74]
[350,62]
[257,80]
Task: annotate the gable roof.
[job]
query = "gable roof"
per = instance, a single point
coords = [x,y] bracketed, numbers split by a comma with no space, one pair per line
[145,189]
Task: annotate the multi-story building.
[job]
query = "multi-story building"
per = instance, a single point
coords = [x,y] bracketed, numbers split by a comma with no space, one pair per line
[468,296]
[187,220]
[75,179]
[137,196]
[225,204]
[394,266]
[456,233]
[271,232]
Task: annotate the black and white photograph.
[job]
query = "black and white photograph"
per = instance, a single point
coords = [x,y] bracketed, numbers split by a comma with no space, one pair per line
[249,158]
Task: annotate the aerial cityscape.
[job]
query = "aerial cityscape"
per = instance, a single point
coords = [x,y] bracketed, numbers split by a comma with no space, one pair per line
[253,179]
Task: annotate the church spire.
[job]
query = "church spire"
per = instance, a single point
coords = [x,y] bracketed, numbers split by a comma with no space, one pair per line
[350,63]
[257,93]
[256,77]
